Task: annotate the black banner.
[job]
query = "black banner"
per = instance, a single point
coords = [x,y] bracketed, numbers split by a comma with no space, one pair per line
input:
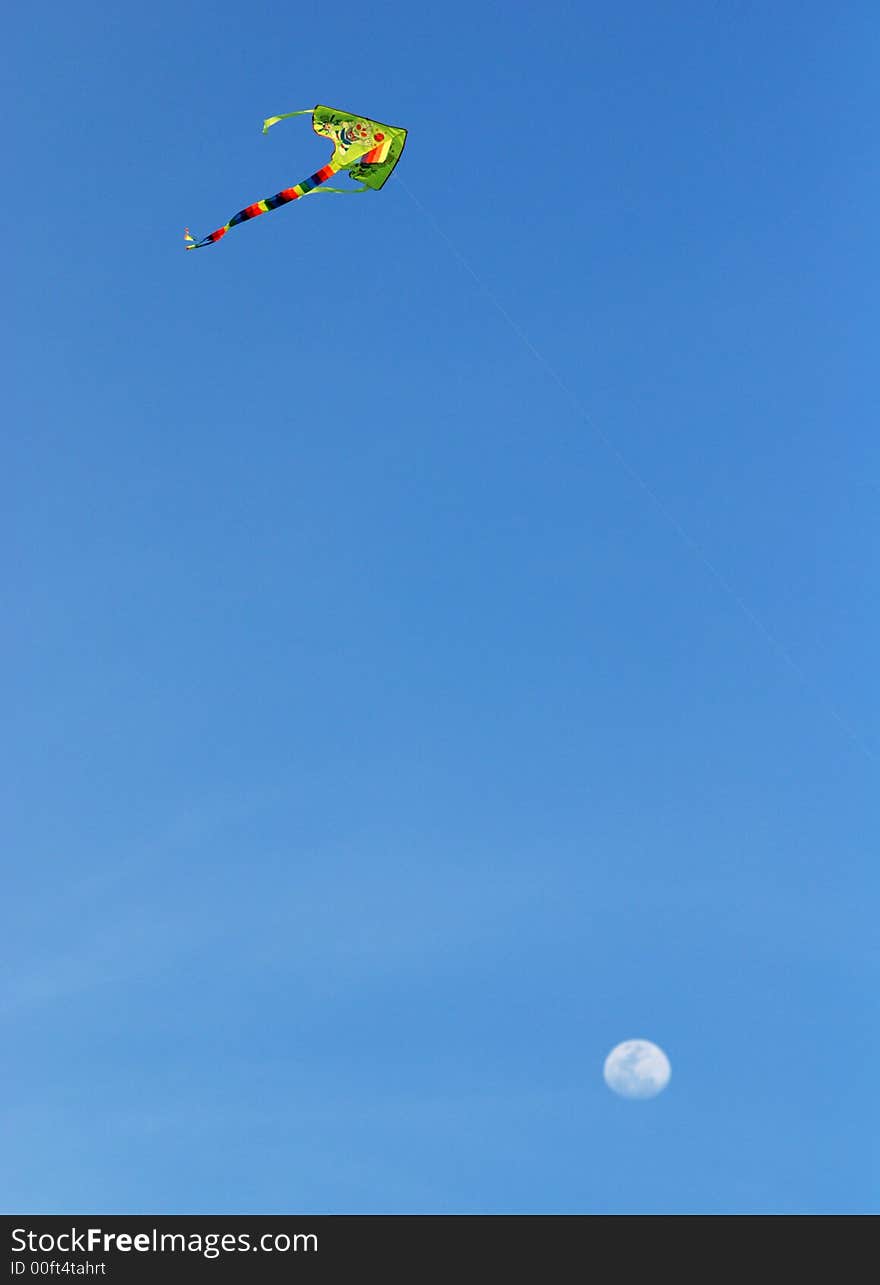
[332,1247]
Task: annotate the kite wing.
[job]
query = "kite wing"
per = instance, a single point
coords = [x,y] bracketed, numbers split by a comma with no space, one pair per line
[364,148]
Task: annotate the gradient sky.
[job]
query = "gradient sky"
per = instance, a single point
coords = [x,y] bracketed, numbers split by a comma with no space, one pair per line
[398,715]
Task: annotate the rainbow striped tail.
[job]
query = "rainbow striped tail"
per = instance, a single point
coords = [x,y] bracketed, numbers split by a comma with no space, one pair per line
[268,203]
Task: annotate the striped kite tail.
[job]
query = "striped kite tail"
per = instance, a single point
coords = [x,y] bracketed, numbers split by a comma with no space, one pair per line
[262,207]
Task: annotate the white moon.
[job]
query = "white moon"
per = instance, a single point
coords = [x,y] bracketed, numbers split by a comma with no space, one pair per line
[637,1069]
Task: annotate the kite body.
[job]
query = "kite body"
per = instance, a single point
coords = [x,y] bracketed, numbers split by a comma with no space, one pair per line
[363,148]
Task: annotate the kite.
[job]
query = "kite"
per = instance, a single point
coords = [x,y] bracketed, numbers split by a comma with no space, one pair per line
[364,148]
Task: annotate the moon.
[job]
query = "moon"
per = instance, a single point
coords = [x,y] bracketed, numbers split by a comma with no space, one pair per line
[637,1069]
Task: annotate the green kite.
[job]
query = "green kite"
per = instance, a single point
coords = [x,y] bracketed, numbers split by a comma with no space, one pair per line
[364,148]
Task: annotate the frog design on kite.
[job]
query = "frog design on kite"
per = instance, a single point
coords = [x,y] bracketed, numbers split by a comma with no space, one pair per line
[363,148]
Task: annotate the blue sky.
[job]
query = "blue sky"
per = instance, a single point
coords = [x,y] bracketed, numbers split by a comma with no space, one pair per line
[396,715]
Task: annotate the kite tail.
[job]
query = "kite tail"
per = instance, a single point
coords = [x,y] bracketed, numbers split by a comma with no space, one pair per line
[261,207]
[273,120]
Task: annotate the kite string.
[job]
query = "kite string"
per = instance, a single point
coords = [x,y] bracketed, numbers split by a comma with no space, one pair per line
[635,476]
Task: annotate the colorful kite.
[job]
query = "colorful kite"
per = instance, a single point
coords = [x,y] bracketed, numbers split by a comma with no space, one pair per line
[367,150]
